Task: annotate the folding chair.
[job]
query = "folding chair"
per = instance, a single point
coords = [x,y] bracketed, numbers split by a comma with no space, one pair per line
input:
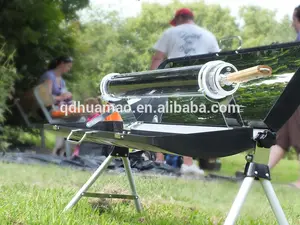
[36,107]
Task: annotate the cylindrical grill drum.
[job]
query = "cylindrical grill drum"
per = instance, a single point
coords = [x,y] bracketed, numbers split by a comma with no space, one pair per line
[215,79]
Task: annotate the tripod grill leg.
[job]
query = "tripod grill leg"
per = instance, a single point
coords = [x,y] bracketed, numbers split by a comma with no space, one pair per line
[239,200]
[90,181]
[131,183]
[274,202]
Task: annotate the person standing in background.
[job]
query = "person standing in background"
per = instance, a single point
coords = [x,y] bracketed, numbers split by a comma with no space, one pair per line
[184,38]
[296,22]
[288,135]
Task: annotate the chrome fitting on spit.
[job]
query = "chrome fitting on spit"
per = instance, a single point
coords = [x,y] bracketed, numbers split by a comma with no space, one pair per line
[212,79]
[103,88]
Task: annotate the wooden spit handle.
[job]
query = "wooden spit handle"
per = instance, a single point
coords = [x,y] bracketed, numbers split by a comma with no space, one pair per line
[256,72]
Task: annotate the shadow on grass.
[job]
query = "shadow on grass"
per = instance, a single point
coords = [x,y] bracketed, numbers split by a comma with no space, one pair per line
[107,205]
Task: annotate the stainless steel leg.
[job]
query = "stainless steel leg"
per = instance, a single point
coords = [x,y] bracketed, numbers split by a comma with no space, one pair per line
[239,201]
[274,202]
[68,148]
[92,179]
[241,196]
[132,184]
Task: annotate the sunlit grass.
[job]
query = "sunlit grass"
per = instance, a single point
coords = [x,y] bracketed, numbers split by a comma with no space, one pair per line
[35,194]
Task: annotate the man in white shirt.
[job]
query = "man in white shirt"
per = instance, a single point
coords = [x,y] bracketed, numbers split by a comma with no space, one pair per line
[185,38]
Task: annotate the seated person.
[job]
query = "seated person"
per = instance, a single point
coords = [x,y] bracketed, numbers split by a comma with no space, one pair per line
[53,77]
[57,86]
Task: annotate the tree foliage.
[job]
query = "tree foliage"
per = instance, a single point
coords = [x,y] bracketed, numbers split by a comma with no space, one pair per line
[8,76]
[112,44]
[37,31]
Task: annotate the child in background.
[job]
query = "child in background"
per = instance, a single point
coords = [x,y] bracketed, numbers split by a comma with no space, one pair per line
[91,104]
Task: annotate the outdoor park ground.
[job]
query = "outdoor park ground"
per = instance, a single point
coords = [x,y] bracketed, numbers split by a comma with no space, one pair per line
[37,194]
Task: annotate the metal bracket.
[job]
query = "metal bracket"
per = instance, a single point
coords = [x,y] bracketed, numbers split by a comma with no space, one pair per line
[56,127]
[75,142]
[120,152]
[265,139]
[256,170]
[82,138]
[119,135]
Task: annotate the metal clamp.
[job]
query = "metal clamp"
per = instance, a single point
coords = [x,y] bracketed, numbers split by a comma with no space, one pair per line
[75,142]
[265,139]
[83,136]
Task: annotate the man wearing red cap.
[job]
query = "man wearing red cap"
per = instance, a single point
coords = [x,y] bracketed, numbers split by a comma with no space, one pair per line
[184,38]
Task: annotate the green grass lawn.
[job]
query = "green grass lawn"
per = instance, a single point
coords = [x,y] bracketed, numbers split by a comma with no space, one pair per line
[35,194]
